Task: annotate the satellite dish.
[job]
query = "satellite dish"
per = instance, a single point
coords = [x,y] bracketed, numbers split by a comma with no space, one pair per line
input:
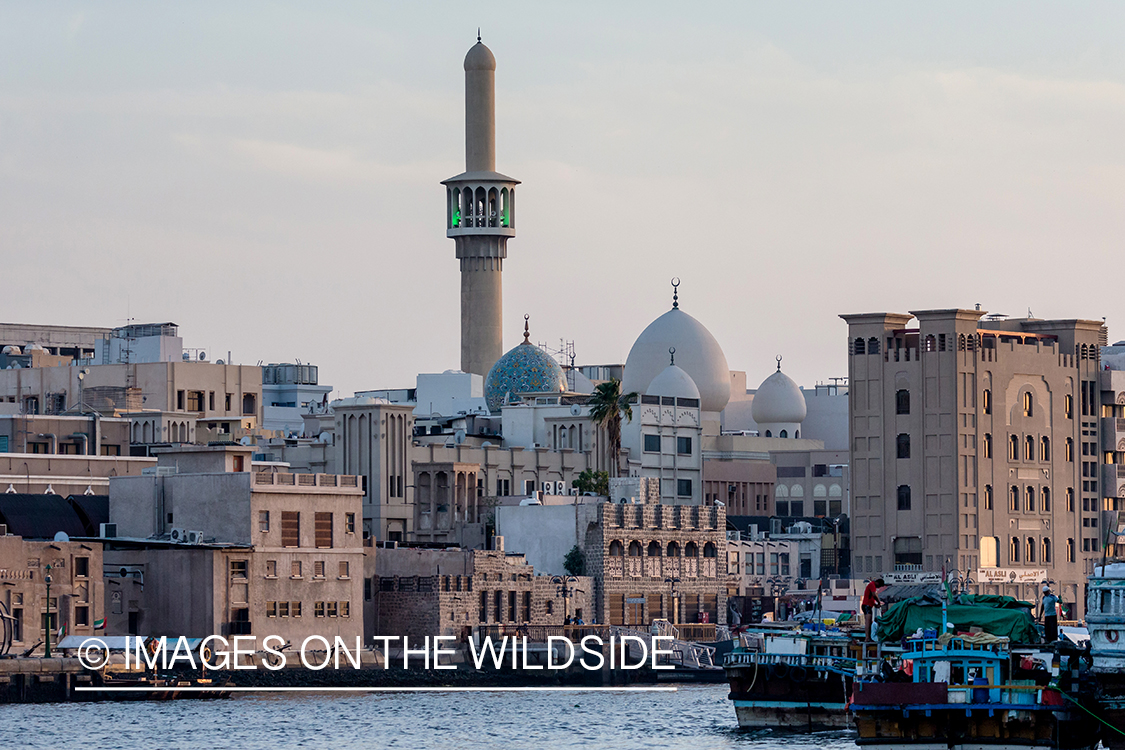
[62,537]
[459,437]
[186,356]
[486,444]
[219,362]
[575,410]
[203,356]
[246,440]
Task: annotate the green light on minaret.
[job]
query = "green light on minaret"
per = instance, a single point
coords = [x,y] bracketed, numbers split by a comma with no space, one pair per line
[456,219]
[504,219]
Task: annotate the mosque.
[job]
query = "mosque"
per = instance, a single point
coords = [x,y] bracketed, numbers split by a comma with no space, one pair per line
[516,422]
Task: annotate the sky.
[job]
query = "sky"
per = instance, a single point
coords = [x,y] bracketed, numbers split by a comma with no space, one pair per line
[267,175]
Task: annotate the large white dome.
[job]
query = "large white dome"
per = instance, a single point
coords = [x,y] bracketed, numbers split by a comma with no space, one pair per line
[778,400]
[697,353]
[673,382]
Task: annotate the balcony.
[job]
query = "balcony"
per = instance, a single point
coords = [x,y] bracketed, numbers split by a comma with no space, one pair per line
[280,480]
[1113,480]
[1113,434]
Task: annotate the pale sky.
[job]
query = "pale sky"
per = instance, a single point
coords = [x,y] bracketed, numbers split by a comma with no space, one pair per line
[267,175]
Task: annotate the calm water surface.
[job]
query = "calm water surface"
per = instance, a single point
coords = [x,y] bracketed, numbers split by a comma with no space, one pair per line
[695,718]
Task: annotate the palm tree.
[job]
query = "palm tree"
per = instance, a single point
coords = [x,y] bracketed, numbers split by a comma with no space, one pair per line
[607,406]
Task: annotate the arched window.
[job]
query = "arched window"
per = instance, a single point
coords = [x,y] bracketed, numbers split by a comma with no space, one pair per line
[1030,550]
[987,445]
[904,497]
[673,549]
[616,548]
[961,343]
[1029,448]
[1045,448]
[1013,448]
[634,549]
[1069,499]
[654,549]
[902,401]
[986,401]
[1070,550]
[902,445]
[1028,404]
[988,497]
[1014,550]
[872,345]
[1046,556]
[781,491]
[1068,406]
[691,550]
[709,550]
[1013,498]
[859,347]
[1069,452]
[930,343]
[768,434]
[783,434]
[1045,499]
[1029,501]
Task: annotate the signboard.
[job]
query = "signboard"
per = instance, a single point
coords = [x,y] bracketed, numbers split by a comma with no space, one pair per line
[635,600]
[911,579]
[1011,575]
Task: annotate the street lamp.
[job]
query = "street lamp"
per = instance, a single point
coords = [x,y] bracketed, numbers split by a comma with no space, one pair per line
[564,587]
[675,601]
[47,579]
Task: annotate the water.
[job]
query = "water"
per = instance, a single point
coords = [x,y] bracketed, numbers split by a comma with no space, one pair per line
[696,717]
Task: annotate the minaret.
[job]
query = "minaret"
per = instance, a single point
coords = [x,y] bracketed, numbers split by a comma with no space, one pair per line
[480,217]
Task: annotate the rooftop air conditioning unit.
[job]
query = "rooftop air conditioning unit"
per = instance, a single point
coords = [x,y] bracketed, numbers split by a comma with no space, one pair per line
[195,537]
[107,530]
[179,536]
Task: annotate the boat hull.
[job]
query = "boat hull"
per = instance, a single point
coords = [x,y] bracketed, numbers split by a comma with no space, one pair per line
[813,717]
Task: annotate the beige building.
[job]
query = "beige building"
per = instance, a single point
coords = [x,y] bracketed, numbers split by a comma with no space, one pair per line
[238,551]
[974,447]
[77,594]
[62,434]
[37,474]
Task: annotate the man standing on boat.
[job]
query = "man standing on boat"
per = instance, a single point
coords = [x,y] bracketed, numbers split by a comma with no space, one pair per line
[1049,611]
[870,601]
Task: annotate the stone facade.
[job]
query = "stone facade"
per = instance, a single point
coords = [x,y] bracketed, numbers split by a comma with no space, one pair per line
[633,550]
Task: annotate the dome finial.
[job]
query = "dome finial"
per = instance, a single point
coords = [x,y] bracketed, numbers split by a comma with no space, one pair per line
[526,332]
[672,354]
[478,34]
[778,358]
[675,293]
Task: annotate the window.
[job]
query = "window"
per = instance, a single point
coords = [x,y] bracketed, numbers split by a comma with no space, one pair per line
[290,528]
[294,609]
[295,569]
[195,401]
[987,449]
[1029,448]
[902,401]
[1014,498]
[1045,448]
[773,563]
[1029,505]
[81,567]
[345,569]
[323,528]
[271,609]
[226,402]
[333,609]
[238,569]
[760,558]
[180,400]
[1070,550]
[1013,448]
[318,609]
[211,401]
[1068,406]
[872,345]
[1068,453]
[1028,404]
[986,401]
[283,609]
[81,616]
[1045,500]
[784,563]
[1014,550]
[271,568]
[1030,557]
[263,520]
[683,487]
[318,569]
[683,446]
[904,497]
[1046,556]
[902,445]
[988,497]
[345,609]
[652,443]
[349,523]
[1069,499]
[859,347]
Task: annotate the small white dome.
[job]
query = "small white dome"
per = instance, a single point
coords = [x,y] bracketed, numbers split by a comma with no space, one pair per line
[778,400]
[697,352]
[673,382]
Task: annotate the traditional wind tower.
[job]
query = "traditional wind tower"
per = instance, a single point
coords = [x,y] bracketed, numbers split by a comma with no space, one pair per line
[480,217]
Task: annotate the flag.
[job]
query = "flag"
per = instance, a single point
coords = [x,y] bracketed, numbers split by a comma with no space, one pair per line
[99,624]
[62,631]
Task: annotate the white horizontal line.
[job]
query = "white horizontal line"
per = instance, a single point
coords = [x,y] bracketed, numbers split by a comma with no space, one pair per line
[195,689]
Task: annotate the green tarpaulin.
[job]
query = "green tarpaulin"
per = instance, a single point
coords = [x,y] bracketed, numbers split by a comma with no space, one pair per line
[1009,619]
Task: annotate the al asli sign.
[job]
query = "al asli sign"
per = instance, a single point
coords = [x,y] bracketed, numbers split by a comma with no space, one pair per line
[911,578]
[1011,575]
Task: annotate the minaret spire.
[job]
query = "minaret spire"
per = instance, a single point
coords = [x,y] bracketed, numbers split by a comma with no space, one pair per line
[480,217]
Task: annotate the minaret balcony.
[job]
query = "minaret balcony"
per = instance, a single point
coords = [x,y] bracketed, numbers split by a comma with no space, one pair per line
[480,203]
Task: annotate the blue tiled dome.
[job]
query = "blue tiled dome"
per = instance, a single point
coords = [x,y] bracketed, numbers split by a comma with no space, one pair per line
[524,369]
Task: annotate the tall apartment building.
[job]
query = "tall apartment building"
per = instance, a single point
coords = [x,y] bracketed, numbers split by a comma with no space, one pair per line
[974,446]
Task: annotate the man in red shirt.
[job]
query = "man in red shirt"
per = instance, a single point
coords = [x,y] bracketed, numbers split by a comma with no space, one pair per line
[870,601]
